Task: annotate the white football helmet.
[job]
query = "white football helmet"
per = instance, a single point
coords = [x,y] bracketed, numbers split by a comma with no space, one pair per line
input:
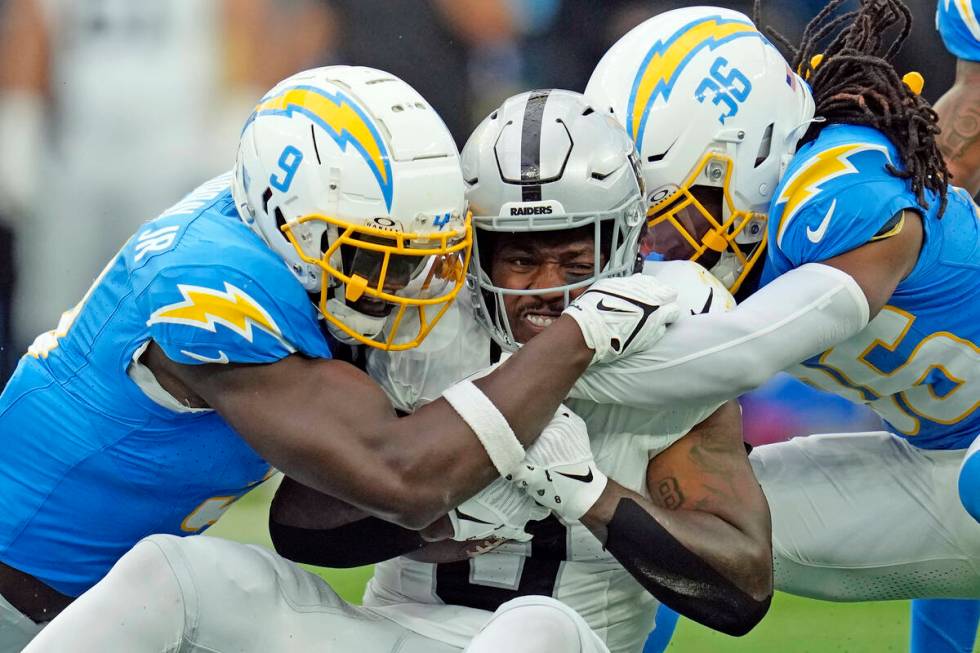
[716,114]
[354,180]
[547,161]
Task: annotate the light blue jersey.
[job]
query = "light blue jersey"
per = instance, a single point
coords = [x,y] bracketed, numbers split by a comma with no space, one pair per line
[88,463]
[917,364]
[958,22]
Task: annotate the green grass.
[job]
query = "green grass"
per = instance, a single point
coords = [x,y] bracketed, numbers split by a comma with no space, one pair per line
[793,625]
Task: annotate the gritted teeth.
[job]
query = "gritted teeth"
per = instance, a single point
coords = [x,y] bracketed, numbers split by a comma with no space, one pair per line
[539,320]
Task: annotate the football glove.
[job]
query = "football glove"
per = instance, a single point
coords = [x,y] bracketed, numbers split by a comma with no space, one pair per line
[500,510]
[623,314]
[559,471]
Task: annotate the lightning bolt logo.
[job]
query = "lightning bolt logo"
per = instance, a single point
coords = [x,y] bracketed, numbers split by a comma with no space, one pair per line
[665,61]
[345,122]
[967,12]
[205,308]
[807,182]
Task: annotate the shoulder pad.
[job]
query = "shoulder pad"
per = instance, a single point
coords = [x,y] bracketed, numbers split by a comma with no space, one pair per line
[239,303]
[836,196]
[698,291]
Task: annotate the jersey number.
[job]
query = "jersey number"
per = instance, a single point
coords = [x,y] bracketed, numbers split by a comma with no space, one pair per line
[730,88]
[486,581]
[155,240]
[938,380]
[289,162]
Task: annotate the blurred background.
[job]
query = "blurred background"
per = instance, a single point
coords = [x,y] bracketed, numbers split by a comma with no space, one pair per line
[111,110]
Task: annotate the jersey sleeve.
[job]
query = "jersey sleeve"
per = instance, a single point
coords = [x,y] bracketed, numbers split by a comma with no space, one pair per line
[715,356]
[632,380]
[836,201]
[249,311]
[958,22]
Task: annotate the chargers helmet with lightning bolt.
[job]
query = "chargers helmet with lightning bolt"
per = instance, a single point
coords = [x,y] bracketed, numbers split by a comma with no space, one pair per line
[352,177]
[544,161]
[716,114]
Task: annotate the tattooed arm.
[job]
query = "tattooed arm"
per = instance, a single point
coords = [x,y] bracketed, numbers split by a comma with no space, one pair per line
[703,544]
[959,119]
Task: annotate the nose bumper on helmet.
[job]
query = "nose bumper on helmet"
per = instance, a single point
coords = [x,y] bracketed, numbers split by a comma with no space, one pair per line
[380,272]
[702,224]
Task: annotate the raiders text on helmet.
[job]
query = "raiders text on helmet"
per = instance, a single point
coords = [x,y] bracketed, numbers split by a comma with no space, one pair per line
[547,161]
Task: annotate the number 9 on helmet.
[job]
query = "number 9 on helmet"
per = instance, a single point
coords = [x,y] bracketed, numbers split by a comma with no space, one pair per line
[350,176]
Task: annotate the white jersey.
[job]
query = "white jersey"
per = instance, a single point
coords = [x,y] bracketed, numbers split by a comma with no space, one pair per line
[564,560]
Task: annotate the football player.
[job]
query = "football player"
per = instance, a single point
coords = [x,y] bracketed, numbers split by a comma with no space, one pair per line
[197,361]
[558,206]
[546,180]
[949,624]
[958,22]
[867,289]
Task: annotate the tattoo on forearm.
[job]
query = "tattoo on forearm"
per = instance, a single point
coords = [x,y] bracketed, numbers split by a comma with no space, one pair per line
[960,129]
[669,493]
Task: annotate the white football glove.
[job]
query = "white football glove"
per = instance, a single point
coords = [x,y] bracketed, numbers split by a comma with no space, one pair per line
[623,314]
[559,471]
[499,510]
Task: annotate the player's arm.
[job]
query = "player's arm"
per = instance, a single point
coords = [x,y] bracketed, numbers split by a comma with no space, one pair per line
[313,528]
[959,120]
[329,426]
[703,544]
[310,527]
[799,314]
[879,266]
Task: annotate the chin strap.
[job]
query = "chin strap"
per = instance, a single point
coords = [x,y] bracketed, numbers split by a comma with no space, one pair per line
[367,325]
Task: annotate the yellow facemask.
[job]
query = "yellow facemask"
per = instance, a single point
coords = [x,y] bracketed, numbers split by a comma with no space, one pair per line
[682,227]
[414,275]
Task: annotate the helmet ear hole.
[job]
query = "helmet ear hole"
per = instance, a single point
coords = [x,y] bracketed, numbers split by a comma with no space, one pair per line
[765,146]
[280,220]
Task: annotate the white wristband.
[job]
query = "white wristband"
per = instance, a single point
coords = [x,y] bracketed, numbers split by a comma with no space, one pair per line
[490,426]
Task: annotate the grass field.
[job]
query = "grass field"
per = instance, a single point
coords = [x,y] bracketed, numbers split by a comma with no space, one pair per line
[793,625]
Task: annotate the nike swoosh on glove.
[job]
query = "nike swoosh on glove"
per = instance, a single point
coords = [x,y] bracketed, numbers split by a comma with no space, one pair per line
[559,471]
[499,510]
[623,314]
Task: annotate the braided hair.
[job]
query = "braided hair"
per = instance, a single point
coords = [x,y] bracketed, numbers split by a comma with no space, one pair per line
[847,62]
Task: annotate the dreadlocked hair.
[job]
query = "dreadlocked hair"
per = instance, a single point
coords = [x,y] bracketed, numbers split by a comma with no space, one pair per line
[847,63]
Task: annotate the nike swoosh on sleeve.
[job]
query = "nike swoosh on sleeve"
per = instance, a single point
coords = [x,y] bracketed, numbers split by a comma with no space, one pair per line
[816,235]
[222,358]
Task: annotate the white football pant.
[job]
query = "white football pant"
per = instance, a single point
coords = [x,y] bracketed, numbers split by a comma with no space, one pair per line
[208,595]
[867,516]
[16,630]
